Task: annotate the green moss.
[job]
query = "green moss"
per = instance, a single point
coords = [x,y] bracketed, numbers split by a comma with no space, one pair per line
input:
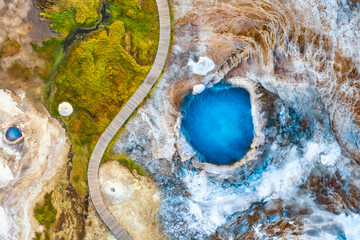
[78,176]
[86,11]
[142,25]
[81,127]
[45,213]
[171,11]
[97,76]
[66,15]
[52,52]
[128,162]
[48,49]
[38,236]
[63,21]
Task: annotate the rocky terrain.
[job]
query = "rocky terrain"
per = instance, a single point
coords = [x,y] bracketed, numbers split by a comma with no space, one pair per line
[29,167]
[133,199]
[299,61]
[39,163]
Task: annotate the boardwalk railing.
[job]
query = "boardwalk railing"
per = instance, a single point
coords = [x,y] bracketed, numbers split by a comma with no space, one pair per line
[123,115]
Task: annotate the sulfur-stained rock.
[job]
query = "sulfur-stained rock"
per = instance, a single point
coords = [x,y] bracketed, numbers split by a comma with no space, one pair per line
[198,88]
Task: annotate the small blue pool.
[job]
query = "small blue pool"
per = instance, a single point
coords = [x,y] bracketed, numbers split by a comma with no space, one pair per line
[13,133]
[218,123]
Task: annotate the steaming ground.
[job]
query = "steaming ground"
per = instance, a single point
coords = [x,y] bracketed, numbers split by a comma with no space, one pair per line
[209,204]
[307,53]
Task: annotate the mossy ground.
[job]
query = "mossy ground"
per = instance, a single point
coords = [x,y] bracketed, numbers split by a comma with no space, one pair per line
[126,161]
[45,213]
[97,76]
[66,15]
[142,26]
[51,51]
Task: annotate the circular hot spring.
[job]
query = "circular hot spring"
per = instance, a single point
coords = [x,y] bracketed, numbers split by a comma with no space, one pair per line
[218,123]
[13,134]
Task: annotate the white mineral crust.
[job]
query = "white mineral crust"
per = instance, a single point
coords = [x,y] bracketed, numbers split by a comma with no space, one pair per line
[202,67]
[27,167]
[198,88]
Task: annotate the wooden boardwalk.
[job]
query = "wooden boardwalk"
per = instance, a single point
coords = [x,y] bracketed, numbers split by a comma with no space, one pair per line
[123,115]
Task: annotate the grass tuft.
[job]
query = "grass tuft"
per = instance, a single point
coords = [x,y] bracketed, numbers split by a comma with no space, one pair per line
[128,162]
[45,213]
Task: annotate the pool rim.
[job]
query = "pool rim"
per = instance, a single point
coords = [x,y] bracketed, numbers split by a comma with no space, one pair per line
[262,141]
[17,140]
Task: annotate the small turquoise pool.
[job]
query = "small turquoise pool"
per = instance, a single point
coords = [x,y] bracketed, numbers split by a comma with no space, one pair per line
[218,123]
[13,133]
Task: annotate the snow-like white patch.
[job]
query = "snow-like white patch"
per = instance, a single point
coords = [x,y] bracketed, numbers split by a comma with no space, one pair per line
[211,204]
[342,226]
[6,102]
[185,150]
[5,174]
[4,225]
[198,88]
[156,197]
[328,159]
[351,224]
[202,67]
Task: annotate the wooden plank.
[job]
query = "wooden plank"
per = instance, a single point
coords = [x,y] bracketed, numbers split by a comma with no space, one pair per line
[120,119]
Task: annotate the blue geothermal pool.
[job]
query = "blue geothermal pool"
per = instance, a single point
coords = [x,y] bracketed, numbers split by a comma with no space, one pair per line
[218,123]
[13,134]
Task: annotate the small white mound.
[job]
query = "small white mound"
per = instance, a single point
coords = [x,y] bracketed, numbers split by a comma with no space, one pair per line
[7,103]
[198,88]
[202,67]
[65,109]
[4,229]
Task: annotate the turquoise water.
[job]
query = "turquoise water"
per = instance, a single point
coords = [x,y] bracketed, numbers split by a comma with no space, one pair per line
[218,123]
[13,134]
